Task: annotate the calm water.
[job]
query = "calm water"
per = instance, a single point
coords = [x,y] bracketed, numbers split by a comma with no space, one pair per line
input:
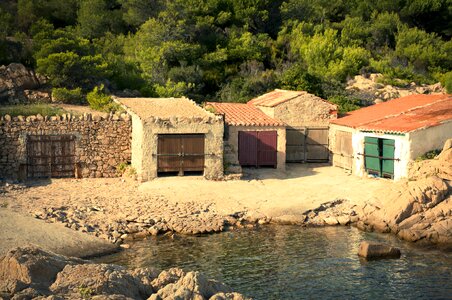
[289,262]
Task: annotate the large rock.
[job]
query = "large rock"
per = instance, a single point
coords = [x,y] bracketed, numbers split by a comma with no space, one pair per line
[30,266]
[371,250]
[191,286]
[14,79]
[94,279]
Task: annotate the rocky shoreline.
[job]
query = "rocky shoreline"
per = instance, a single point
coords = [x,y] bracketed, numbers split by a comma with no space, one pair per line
[32,273]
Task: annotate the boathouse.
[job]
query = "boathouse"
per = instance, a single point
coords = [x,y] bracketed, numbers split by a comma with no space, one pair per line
[174,136]
[306,117]
[252,138]
[381,140]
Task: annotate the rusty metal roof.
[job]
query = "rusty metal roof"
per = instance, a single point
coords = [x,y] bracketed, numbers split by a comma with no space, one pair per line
[240,114]
[278,96]
[401,115]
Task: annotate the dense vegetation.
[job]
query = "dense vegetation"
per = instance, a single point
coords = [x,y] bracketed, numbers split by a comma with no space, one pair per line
[228,50]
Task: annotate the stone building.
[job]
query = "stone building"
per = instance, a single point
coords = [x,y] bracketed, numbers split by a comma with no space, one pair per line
[251,137]
[63,146]
[381,140]
[306,117]
[174,136]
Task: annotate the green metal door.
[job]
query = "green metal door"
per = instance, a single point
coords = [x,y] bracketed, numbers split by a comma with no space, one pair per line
[387,160]
[379,156]
[372,155]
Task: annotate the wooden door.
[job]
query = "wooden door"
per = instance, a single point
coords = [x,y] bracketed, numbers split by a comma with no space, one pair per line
[295,144]
[343,150]
[180,153]
[247,145]
[258,148]
[267,152]
[50,156]
[317,144]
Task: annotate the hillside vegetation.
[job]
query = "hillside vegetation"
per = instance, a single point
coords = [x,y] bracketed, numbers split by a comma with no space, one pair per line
[228,50]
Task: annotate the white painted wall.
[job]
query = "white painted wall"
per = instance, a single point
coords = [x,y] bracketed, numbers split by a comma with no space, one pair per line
[428,139]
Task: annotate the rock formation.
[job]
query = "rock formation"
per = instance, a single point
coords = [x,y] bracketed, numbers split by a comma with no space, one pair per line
[418,209]
[369,88]
[30,272]
[17,85]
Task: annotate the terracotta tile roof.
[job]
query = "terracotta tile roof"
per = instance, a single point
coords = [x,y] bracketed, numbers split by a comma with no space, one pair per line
[401,115]
[240,114]
[278,96]
[163,107]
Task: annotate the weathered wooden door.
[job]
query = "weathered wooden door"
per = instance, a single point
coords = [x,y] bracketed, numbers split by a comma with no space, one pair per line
[180,153]
[317,144]
[50,156]
[258,148]
[295,144]
[343,150]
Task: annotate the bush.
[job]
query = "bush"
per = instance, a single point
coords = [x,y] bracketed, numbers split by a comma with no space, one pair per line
[65,95]
[447,82]
[344,103]
[99,100]
[429,155]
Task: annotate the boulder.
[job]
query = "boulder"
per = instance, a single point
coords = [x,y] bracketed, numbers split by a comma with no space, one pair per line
[166,277]
[99,279]
[14,79]
[191,286]
[32,267]
[371,250]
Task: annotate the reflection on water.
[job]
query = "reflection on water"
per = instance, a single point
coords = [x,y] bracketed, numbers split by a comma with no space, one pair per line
[290,262]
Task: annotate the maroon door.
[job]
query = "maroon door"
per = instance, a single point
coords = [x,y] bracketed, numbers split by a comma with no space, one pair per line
[248,148]
[266,151]
[258,148]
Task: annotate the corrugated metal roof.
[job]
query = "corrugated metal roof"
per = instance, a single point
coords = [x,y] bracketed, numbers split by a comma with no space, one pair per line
[401,115]
[163,107]
[239,114]
[278,96]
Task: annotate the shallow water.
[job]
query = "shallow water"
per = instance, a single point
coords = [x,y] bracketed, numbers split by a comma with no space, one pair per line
[290,262]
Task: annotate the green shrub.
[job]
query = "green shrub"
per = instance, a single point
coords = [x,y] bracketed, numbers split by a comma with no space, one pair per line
[344,103]
[65,95]
[447,82]
[429,155]
[99,100]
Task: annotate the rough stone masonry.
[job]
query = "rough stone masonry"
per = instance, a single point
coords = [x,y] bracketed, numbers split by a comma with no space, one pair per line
[101,143]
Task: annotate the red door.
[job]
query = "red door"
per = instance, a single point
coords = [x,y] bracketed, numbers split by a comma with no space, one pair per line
[258,148]
[266,150]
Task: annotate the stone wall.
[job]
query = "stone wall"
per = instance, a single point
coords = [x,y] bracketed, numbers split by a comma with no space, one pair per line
[145,141]
[305,110]
[101,143]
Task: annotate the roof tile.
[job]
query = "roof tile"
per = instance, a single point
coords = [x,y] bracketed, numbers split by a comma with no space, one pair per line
[240,114]
[278,96]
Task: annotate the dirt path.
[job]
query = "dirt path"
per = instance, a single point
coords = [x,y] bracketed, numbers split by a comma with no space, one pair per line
[18,230]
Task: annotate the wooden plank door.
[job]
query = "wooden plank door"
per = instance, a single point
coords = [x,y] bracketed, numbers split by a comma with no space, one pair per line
[317,144]
[192,152]
[247,146]
[169,153]
[343,150]
[267,148]
[180,153]
[295,144]
[50,156]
